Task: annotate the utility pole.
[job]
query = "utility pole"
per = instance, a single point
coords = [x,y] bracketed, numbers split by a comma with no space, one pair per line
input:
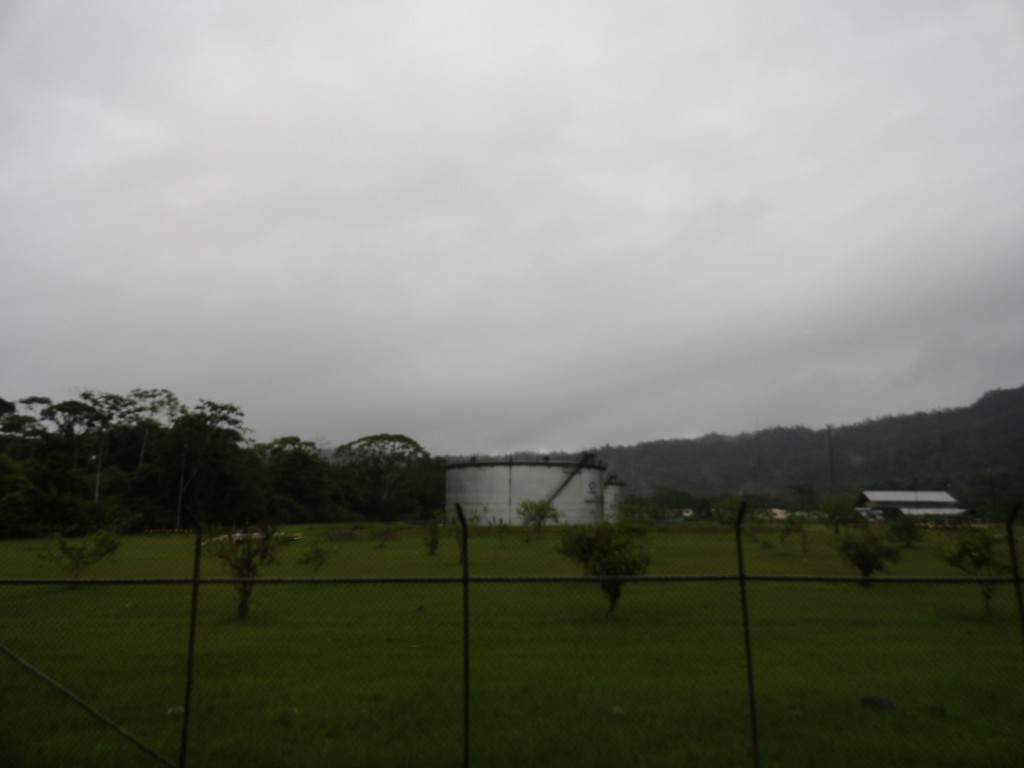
[831,463]
[181,489]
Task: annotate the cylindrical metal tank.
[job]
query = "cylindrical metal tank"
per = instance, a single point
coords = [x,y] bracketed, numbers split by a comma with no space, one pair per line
[613,493]
[490,490]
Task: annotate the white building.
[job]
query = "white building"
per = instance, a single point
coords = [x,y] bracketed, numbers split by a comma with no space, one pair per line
[911,503]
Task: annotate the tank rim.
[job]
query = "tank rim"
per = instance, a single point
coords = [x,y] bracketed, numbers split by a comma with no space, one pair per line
[590,464]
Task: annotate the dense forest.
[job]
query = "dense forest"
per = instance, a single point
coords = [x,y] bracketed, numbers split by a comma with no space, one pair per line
[145,460]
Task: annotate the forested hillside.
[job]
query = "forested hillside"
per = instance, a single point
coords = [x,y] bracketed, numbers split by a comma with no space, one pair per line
[977,453]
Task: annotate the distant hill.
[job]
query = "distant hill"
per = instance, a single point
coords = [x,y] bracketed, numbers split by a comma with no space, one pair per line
[976,453]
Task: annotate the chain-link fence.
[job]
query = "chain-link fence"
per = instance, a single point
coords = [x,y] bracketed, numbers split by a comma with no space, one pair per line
[746,650]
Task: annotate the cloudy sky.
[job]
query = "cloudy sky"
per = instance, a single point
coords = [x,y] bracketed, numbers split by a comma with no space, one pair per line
[519,224]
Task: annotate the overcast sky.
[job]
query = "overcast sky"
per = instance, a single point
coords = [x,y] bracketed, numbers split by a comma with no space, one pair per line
[498,226]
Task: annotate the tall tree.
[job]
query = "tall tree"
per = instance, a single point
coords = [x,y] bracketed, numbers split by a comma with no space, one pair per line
[106,412]
[391,476]
[298,477]
[207,442]
[71,420]
[151,410]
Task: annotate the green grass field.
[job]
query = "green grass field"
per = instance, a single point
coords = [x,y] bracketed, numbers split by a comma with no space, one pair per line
[371,674]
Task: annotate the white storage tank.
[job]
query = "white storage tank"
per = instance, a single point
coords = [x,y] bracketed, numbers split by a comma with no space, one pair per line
[613,493]
[490,490]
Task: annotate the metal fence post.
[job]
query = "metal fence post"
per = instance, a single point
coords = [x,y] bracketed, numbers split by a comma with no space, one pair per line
[742,574]
[464,557]
[190,664]
[1015,565]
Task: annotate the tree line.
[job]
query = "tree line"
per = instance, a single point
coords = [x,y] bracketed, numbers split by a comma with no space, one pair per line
[146,460]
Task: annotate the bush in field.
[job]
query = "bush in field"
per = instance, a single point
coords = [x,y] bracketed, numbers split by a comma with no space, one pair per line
[840,512]
[794,524]
[73,557]
[244,553]
[315,556]
[975,554]
[534,514]
[432,538]
[867,553]
[606,550]
[904,531]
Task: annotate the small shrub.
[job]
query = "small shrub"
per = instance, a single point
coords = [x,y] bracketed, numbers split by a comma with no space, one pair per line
[315,556]
[535,514]
[73,557]
[605,549]
[794,524]
[867,553]
[244,553]
[432,538]
[975,554]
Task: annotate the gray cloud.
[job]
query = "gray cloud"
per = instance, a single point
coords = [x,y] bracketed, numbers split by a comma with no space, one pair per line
[514,225]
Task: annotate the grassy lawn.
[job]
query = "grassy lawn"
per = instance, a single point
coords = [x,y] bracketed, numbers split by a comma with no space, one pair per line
[371,674]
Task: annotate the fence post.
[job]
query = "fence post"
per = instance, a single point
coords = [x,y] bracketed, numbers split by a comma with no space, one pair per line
[746,634]
[464,557]
[1015,565]
[190,664]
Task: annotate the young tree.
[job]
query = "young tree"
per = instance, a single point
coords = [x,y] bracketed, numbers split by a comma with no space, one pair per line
[315,556]
[975,554]
[794,524]
[432,537]
[840,511]
[74,557]
[606,549]
[535,514]
[244,553]
[867,553]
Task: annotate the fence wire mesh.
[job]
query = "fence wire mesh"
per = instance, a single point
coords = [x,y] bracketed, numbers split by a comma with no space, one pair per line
[376,653]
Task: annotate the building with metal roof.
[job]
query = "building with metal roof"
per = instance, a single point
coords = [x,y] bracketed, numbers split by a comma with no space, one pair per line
[912,503]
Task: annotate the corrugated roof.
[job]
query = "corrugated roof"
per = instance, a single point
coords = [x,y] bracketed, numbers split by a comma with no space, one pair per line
[909,497]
